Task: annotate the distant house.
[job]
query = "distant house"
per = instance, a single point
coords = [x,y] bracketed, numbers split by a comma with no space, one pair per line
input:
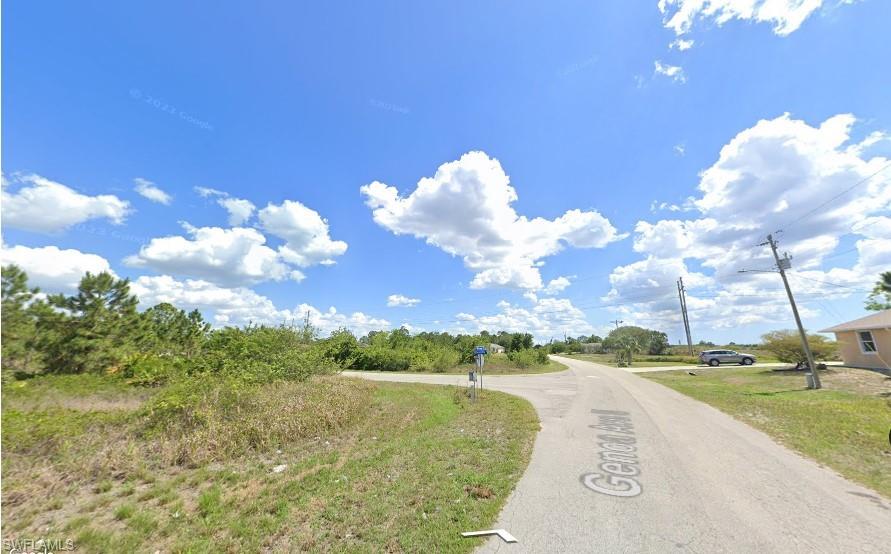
[865,342]
[592,347]
[496,349]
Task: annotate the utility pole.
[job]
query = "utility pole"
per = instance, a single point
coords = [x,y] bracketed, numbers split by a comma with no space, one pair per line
[783,265]
[682,296]
[617,322]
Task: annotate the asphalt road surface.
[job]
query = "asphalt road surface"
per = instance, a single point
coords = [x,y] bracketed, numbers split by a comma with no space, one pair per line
[623,464]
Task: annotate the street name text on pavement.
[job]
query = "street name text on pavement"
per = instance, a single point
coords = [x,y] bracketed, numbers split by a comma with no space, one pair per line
[619,466]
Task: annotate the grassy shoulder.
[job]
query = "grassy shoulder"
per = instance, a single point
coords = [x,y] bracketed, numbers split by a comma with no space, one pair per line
[844,425]
[331,464]
[497,366]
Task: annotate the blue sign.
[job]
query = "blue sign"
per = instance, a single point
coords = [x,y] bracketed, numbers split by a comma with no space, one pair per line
[480,350]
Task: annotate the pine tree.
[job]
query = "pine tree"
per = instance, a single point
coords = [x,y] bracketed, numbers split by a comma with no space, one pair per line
[95,329]
[172,332]
[18,320]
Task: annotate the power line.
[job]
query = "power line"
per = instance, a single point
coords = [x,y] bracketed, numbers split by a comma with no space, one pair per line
[839,195]
[799,276]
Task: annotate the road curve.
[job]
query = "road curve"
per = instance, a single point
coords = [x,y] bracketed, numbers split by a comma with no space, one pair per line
[623,464]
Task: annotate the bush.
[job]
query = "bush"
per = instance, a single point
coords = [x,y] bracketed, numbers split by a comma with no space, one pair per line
[434,358]
[262,354]
[341,347]
[382,358]
[150,370]
[786,346]
[528,357]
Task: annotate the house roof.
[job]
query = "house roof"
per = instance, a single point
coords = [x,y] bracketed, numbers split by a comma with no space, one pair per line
[878,320]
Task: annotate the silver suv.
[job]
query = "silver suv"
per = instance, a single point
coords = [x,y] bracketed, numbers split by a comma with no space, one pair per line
[717,357]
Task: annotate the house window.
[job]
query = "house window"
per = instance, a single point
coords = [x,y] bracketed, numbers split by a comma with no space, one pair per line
[867,342]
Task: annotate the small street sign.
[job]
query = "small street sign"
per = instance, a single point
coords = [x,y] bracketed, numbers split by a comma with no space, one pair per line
[480,350]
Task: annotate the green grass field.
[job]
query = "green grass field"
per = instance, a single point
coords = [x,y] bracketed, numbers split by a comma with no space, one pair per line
[331,465]
[677,356]
[639,361]
[845,425]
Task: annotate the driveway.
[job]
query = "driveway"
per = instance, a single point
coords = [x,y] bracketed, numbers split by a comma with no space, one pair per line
[623,464]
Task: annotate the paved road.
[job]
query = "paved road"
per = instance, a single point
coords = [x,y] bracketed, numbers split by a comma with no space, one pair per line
[644,369]
[665,473]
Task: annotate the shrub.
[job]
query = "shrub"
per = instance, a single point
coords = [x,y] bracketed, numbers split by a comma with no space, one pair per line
[381,358]
[150,369]
[786,346]
[528,357]
[436,359]
[341,347]
[262,354]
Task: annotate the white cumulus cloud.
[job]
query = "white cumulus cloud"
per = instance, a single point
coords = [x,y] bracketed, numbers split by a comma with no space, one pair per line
[305,232]
[810,181]
[242,305]
[786,16]
[673,72]
[465,210]
[556,286]
[681,44]
[547,318]
[46,206]
[240,210]
[150,190]
[54,269]
[402,301]
[234,256]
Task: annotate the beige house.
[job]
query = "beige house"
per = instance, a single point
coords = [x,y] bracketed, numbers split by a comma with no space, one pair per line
[496,349]
[865,342]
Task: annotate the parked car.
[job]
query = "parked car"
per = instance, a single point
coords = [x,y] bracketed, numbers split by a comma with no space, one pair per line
[717,357]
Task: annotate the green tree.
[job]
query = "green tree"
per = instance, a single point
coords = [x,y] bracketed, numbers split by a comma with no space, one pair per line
[625,347]
[786,346]
[18,320]
[520,341]
[880,297]
[657,343]
[342,347]
[640,335]
[95,329]
[173,332]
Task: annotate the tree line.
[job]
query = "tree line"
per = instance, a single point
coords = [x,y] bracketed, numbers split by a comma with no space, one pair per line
[98,328]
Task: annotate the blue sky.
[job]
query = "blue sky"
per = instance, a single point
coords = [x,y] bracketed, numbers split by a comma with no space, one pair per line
[584,107]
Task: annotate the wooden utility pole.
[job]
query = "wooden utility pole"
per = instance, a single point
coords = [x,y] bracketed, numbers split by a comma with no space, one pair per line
[682,296]
[784,264]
